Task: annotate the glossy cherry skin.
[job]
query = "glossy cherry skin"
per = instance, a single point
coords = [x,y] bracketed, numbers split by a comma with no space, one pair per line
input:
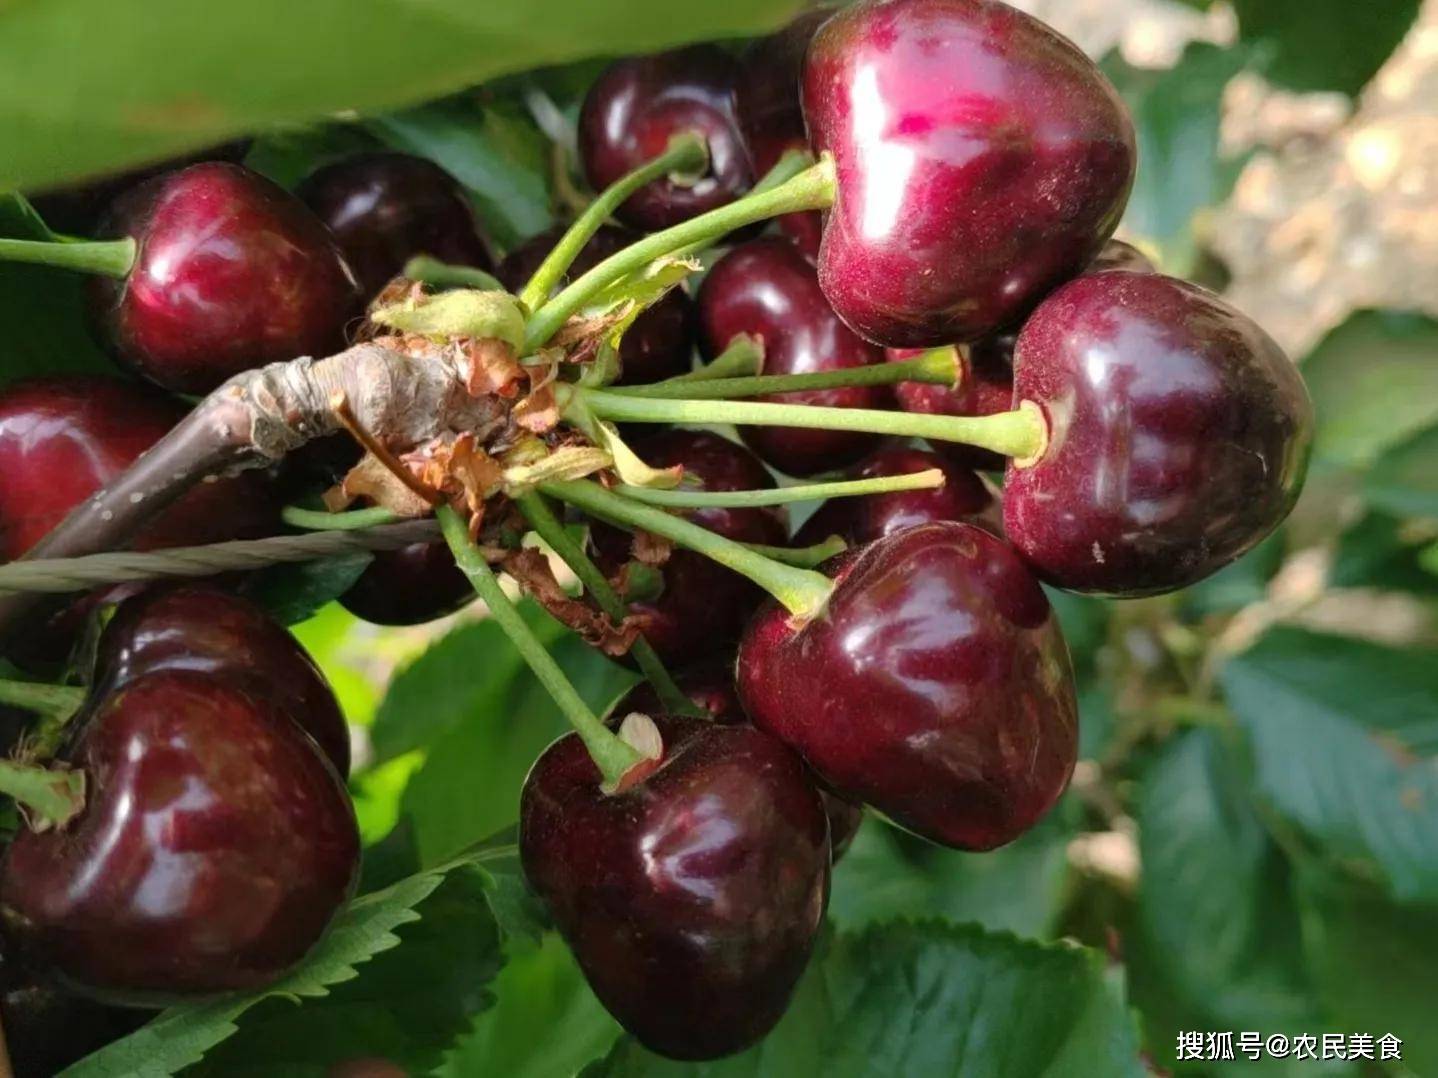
[770,114]
[658,345]
[232,272]
[215,847]
[692,899]
[710,684]
[197,627]
[935,686]
[1178,435]
[963,497]
[638,104]
[981,159]
[703,606]
[385,208]
[768,289]
[409,586]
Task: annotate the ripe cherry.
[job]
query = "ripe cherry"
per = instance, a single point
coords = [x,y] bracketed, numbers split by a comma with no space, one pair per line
[691,899]
[198,627]
[409,586]
[981,159]
[658,345]
[963,497]
[1179,435]
[768,289]
[703,606]
[710,684]
[638,104]
[935,686]
[231,272]
[385,208]
[215,847]
[770,114]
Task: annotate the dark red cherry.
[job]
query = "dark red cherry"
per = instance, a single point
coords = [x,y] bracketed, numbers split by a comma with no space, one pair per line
[232,272]
[768,289]
[198,627]
[409,586]
[1179,435]
[981,159]
[986,386]
[710,684]
[703,606]
[215,846]
[658,345]
[47,1028]
[935,686]
[638,104]
[692,899]
[385,208]
[770,114]
[963,497]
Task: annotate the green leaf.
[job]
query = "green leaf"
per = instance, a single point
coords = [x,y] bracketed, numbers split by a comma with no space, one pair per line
[1327,44]
[146,79]
[1218,944]
[1334,726]
[1404,481]
[932,998]
[288,155]
[1374,384]
[1235,586]
[1176,115]
[1381,551]
[294,593]
[888,874]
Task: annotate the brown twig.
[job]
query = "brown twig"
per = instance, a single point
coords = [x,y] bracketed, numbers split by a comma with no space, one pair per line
[340,405]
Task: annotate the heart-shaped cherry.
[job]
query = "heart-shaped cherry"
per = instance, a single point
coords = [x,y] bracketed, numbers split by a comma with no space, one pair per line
[703,606]
[198,627]
[385,208]
[638,104]
[963,497]
[215,847]
[768,289]
[981,158]
[409,586]
[658,345]
[710,684]
[935,686]
[691,899]
[770,114]
[231,272]
[1179,435]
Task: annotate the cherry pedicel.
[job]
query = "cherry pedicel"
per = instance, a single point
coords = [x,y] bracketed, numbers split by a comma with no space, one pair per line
[691,899]
[1178,435]
[386,208]
[935,686]
[409,586]
[981,158]
[766,288]
[148,897]
[230,272]
[638,104]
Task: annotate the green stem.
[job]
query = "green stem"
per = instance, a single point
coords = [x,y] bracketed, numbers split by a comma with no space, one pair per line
[52,798]
[938,367]
[612,756]
[786,168]
[800,492]
[432,271]
[109,258]
[802,591]
[320,520]
[744,357]
[687,152]
[547,526]
[804,557]
[1021,434]
[811,189]
[52,700]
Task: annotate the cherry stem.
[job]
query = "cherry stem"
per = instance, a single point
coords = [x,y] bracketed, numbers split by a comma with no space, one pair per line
[939,367]
[323,520]
[548,527]
[431,271]
[804,557]
[742,359]
[811,189]
[786,168]
[109,258]
[801,492]
[802,591]
[613,757]
[1021,433]
[687,153]
[51,798]
[57,701]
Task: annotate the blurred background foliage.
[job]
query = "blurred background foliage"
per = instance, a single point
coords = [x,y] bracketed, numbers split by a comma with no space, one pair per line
[1251,840]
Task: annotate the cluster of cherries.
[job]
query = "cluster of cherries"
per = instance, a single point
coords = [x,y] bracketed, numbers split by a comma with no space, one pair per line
[980,165]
